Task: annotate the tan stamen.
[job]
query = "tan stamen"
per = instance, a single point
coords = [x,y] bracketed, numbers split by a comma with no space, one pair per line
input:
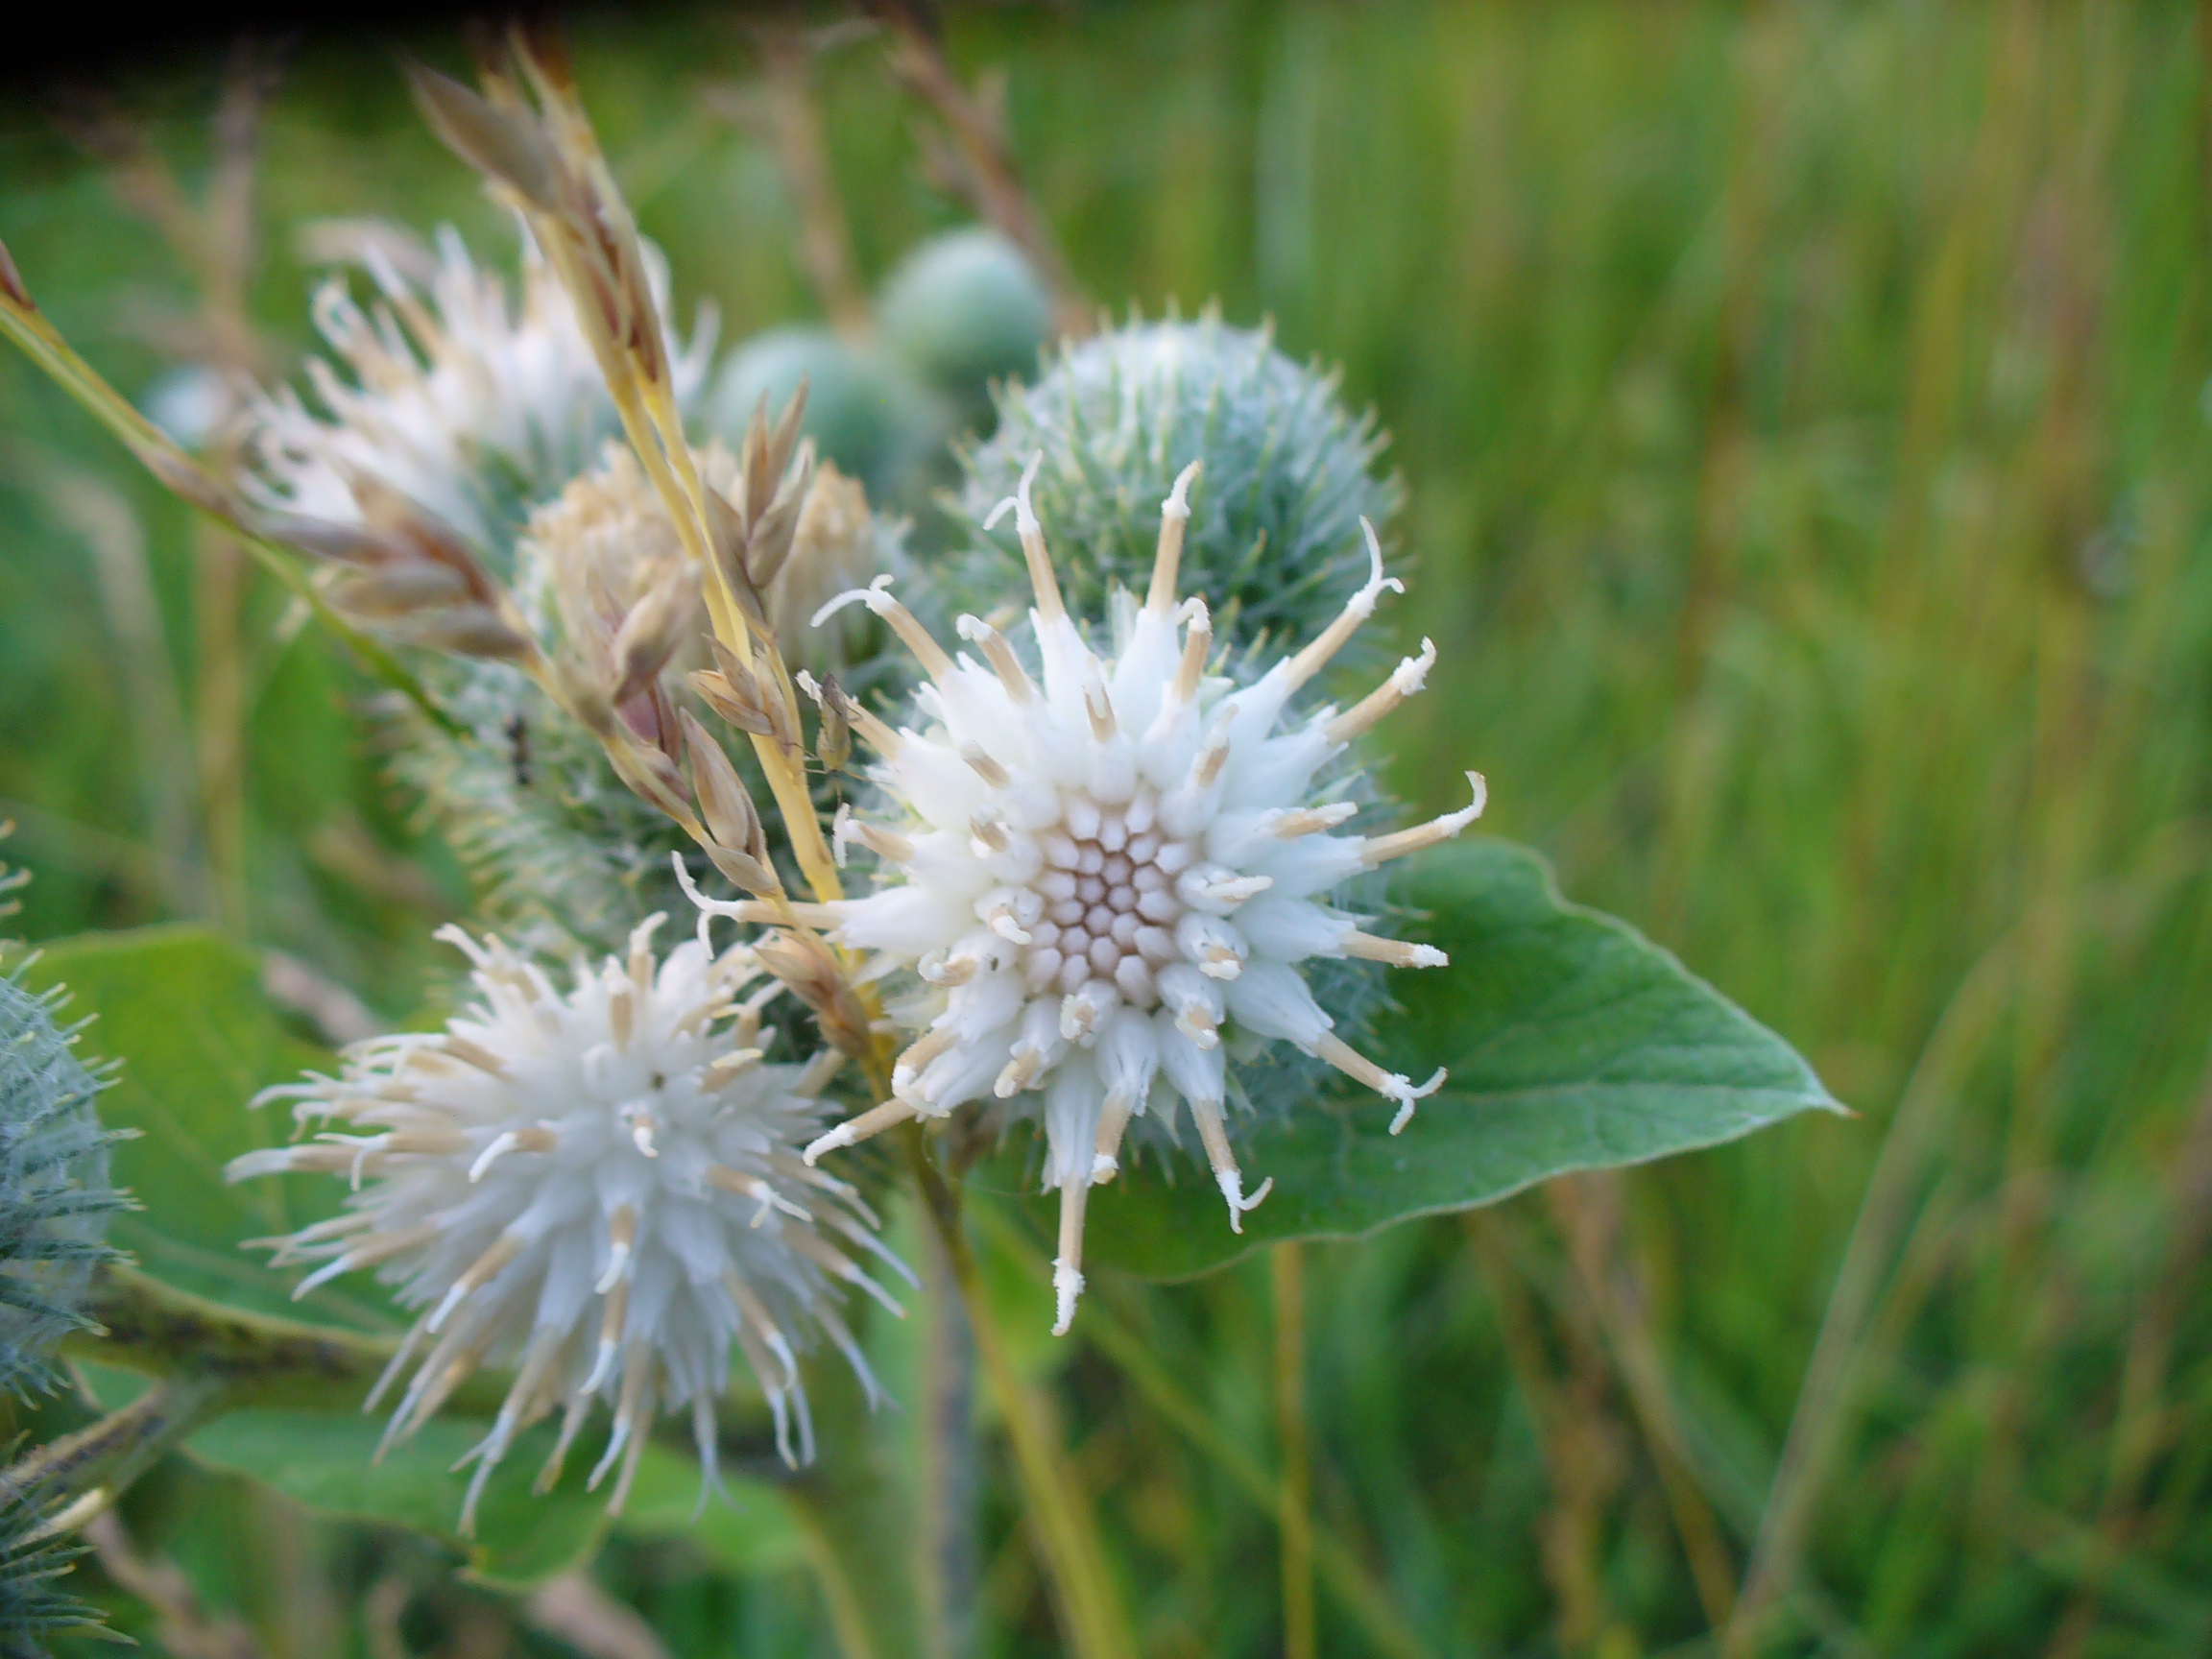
[1398,953]
[1382,849]
[855,1130]
[1000,656]
[1361,605]
[1166,561]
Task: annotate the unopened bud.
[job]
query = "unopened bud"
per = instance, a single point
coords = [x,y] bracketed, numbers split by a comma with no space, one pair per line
[805,964]
[782,718]
[472,631]
[326,539]
[748,872]
[399,590]
[724,802]
[654,629]
[652,776]
[488,139]
[733,693]
[402,520]
[189,482]
[769,543]
[583,697]
[726,545]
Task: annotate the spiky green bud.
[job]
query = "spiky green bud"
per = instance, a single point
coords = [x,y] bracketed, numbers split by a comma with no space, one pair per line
[55,1197]
[1274,543]
[32,1608]
[54,1201]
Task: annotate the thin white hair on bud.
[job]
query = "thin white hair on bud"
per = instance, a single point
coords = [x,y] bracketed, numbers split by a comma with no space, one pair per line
[1382,849]
[1178,502]
[1409,676]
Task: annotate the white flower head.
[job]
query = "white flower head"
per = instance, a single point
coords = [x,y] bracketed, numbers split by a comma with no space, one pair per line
[458,400]
[1103,875]
[600,1187]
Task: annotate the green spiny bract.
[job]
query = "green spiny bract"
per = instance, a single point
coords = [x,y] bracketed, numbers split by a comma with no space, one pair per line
[54,1180]
[54,1201]
[55,1197]
[1274,543]
[32,1608]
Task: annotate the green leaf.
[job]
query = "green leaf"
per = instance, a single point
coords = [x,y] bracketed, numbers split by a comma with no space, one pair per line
[750,1531]
[322,1461]
[183,1010]
[1572,1042]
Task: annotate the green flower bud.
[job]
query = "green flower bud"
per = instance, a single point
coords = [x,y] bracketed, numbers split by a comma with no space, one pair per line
[863,413]
[1274,543]
[55,1197]
[962,310]
[32,1608]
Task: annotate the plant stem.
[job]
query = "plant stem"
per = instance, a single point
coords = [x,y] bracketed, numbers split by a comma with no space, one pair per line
[153,1329]
[1089,1609]
[78,1475]
[840,1599]
[1287,1270]
[1348,1579]
[946,1532]
[795,123]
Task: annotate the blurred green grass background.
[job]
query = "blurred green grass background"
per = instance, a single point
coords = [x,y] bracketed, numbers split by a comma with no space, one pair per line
[1802,408]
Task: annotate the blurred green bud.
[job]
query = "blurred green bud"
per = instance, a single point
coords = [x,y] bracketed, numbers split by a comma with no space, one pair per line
[55,1197]
[33,1607]
[54,1202]
[962,310]
[1274,544]
[863,411]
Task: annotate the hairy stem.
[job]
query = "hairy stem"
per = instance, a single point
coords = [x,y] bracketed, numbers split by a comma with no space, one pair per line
[158,1331]
[78,1475]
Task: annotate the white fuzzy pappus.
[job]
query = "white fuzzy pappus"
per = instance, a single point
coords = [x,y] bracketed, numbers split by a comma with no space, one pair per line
[458,398]
[1103,874]
[601,1186]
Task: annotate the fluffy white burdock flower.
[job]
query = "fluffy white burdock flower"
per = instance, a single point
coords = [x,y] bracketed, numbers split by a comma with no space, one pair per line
[1102,875]
[601,1186]
[466,404]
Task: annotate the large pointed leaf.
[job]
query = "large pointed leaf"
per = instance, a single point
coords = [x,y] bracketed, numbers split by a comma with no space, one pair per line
[1573,1044]
[323,1461]
[183,1011]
